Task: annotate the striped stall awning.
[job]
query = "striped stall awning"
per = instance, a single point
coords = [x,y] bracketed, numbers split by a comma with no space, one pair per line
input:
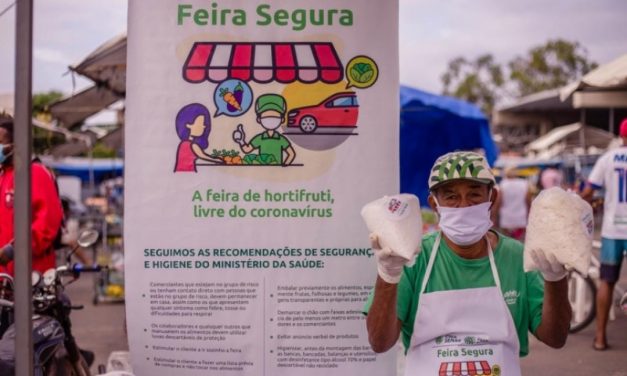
[263,62]
[465,369]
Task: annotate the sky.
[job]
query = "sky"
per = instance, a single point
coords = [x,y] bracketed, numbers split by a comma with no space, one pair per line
[432,32]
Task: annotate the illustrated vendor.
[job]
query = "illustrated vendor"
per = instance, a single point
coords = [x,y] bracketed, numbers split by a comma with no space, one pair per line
[466,301]
[271,145]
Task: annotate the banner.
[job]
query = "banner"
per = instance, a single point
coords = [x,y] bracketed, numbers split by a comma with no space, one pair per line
[255,132]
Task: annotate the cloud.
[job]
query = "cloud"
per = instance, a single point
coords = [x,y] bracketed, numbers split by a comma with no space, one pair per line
[65,31]
[433,32]
[47,55]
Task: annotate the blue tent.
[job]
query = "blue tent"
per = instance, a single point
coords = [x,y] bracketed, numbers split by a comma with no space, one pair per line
[102,169]
[432,125]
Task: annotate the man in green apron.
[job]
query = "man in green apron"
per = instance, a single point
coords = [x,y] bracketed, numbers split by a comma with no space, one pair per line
[270,110]
[465,305]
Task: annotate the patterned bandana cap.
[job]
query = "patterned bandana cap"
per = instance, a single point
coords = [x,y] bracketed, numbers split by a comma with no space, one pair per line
[460,165]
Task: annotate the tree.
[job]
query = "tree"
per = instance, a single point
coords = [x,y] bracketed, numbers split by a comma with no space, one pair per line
[41,101]
[44,140]
[550,66]
[477,81]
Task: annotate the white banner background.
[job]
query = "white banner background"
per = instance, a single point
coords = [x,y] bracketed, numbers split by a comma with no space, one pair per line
[260,318]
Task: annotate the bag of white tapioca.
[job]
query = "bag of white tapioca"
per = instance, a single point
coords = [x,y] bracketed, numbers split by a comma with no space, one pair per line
[397,222]
[560,223]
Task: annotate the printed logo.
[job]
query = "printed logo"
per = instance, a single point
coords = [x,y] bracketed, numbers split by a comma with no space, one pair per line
[469,340]
[394,205]
[397,208]
[587,221]
[439,340]
[511,297]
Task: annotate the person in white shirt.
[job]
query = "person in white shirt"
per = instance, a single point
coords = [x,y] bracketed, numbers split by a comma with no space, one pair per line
[610,172]
[513,205]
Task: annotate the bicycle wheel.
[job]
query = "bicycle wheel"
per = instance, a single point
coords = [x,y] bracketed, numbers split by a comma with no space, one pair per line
[582,294]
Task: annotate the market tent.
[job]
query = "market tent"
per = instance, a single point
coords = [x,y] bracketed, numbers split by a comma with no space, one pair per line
[72,111]
[610,76]
[106,66]
[432,125]
[6,108]
[82,168]
[568,139]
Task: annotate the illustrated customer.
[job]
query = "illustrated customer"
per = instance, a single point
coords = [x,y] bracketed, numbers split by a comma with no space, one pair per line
[270,110]
[46,208]
[193,125]
[466,301]
[610,172]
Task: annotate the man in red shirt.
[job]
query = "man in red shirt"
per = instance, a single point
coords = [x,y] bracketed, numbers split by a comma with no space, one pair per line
[46,208]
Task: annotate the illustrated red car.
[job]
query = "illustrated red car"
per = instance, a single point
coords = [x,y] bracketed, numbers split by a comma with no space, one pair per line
[338,110]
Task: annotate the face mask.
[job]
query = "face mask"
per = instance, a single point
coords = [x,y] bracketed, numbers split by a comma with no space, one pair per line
[271,123]
[465,226]
[3,154]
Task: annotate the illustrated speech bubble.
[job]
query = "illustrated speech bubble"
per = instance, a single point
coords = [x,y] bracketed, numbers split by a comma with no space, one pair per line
[232,98]
[361,72]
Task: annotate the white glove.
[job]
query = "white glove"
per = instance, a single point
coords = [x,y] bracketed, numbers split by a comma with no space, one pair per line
[389,265]
[551,269]
[239,135]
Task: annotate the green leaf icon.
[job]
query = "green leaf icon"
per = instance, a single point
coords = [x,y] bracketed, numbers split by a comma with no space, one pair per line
[367,76]
[355,74]
[361,72]
[363,67]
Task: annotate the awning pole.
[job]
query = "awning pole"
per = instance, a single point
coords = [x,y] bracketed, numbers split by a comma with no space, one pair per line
[582,137]
[611,128]
[22,200]
[90,154]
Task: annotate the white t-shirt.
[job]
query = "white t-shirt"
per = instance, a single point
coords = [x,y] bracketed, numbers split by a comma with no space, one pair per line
[513,211]
[610,172]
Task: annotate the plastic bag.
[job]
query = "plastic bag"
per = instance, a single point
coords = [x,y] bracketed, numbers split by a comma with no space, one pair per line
[397,221]
[560,223]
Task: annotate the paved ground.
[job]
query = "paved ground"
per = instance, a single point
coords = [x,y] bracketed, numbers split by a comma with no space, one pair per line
[578,357]
[97,328]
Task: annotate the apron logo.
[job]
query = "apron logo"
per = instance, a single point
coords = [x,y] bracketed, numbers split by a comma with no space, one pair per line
[511,297]
[448,339]
[472,340]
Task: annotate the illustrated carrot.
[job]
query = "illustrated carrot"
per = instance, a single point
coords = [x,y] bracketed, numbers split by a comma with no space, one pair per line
[236,160]
[230,99]
[228,159]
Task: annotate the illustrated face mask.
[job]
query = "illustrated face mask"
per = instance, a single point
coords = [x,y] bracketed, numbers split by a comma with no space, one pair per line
[465,226]
[270,123]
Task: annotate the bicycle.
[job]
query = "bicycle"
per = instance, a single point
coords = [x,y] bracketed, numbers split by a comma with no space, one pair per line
[582,295]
